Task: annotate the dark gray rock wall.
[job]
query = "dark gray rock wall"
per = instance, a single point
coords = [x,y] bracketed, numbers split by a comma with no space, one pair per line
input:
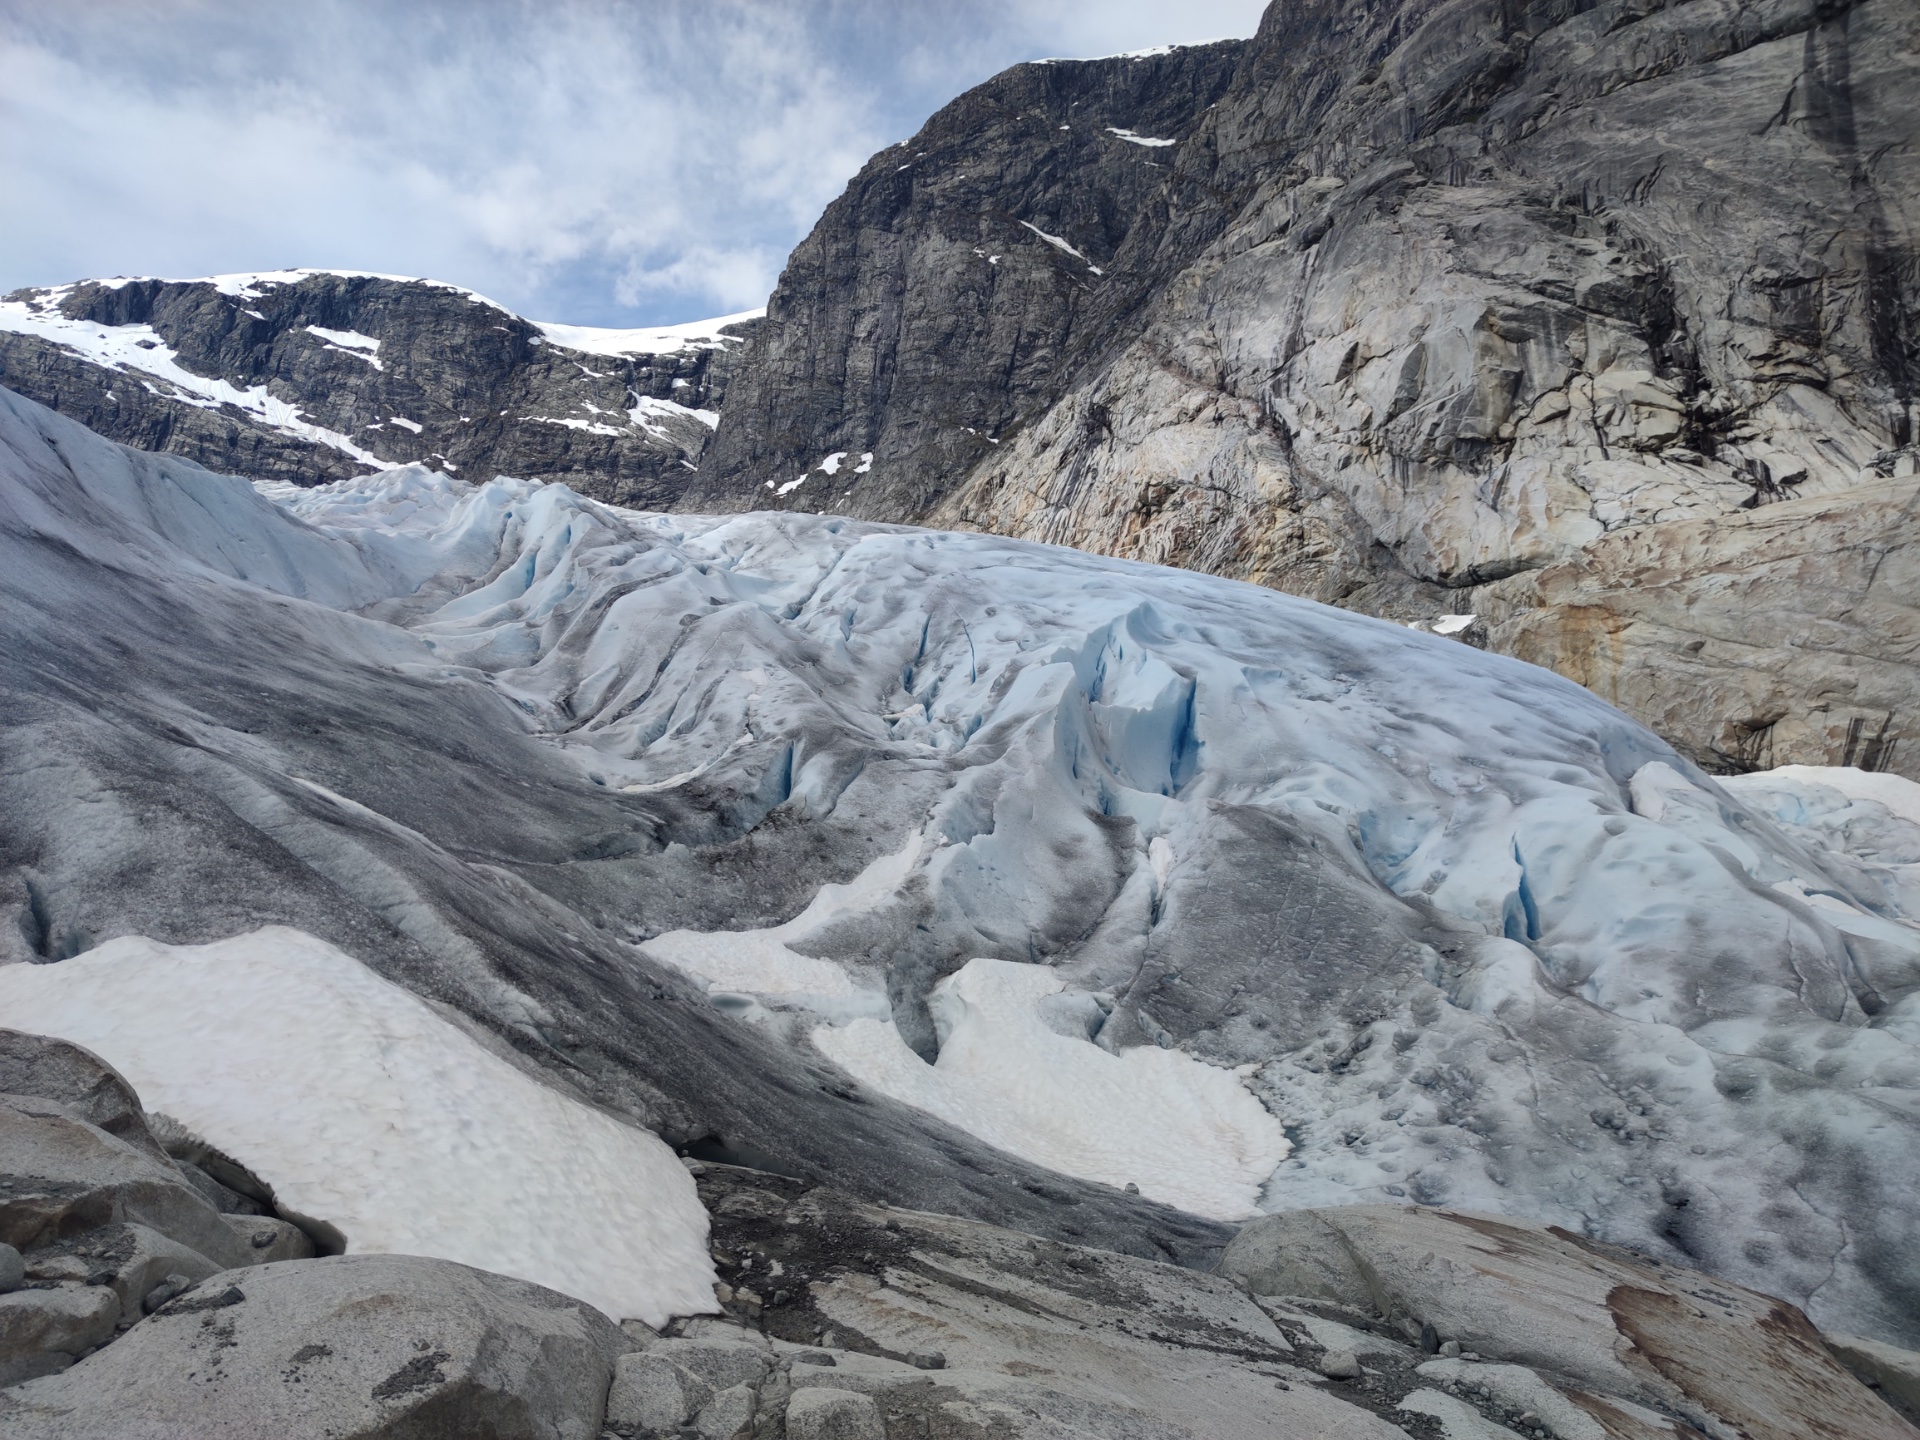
[481,391]
[926,312]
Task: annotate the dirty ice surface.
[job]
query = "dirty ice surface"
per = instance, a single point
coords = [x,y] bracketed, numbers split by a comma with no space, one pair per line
[361,1106]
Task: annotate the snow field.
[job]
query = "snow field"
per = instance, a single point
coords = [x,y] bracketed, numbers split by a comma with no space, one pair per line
[1185,1132]
[362,1107]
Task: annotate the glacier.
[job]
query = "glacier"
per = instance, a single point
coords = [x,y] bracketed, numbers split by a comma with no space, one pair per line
[840,847]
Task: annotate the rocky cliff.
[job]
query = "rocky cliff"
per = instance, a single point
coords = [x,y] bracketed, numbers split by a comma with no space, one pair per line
[951,291]
[1533,311]
[309,376]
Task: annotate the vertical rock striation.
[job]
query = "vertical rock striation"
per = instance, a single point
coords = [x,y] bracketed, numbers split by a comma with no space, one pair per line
[1438,307]
[950,292]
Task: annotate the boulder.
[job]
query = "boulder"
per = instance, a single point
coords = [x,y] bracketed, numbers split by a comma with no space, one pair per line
[348,1347]
[271,1239]
[1722,1357]
[651,1394]
[54,1069]
[728,1414]
[719,1363]
[824,1414]
[65,1176]
[44,1331]
[129,1259]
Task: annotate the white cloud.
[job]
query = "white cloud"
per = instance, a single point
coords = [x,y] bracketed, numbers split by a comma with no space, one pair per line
[598,162]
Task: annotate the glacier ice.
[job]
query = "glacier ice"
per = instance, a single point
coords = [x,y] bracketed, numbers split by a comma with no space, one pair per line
[1469,935]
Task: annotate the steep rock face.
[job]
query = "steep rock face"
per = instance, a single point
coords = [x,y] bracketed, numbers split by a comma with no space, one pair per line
[311,376]
[1515,290]
[1433,294]
[945,295]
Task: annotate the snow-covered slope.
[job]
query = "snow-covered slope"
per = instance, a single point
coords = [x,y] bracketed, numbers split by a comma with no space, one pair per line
[357,1103]
[309,375]
[1469,935]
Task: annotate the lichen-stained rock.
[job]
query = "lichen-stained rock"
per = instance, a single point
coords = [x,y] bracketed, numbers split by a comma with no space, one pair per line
[1787,634]
[351,1348]
[1596,1318]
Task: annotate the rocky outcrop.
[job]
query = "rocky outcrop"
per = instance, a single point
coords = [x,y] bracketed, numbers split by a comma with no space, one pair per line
[1616,1331]
[850,1320]
[948,294]
[97,1225]
[309,376]
[1514,292]
[361,1347]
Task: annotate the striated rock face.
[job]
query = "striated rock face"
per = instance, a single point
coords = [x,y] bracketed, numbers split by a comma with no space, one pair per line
[1521,290]
[950,291]
[1764,637]
[309,376]
[1435,294]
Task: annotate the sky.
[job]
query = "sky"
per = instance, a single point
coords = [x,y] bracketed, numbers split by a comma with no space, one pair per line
[599,162]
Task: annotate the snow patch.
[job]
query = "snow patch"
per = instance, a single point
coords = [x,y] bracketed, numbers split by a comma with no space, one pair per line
[649,340]
[1062,245]
[350,342]
[647,413]
[761,962]
[1186,1133]
[1132,139]
[362,1107]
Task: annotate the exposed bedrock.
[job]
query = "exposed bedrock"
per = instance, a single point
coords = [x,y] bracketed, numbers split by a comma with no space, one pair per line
[948,293]
[1433,294]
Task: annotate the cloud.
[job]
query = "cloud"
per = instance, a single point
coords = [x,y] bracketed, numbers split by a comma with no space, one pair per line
[596,161]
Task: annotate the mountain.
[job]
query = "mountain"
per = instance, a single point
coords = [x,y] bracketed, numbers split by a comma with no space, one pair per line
[1597,322]
[315,375]
[1105,902]
[1589,333]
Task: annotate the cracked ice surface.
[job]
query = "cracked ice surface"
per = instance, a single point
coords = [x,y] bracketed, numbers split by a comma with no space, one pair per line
[1472,936]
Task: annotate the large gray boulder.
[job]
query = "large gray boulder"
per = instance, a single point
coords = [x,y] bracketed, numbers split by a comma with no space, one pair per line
[43,1331]
[64,1176]
[1596,1318]
[350,1348]
[72,1075]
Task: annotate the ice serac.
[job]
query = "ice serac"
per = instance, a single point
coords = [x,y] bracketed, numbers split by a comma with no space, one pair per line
[315,375]
[1470,935]
[1533,311]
